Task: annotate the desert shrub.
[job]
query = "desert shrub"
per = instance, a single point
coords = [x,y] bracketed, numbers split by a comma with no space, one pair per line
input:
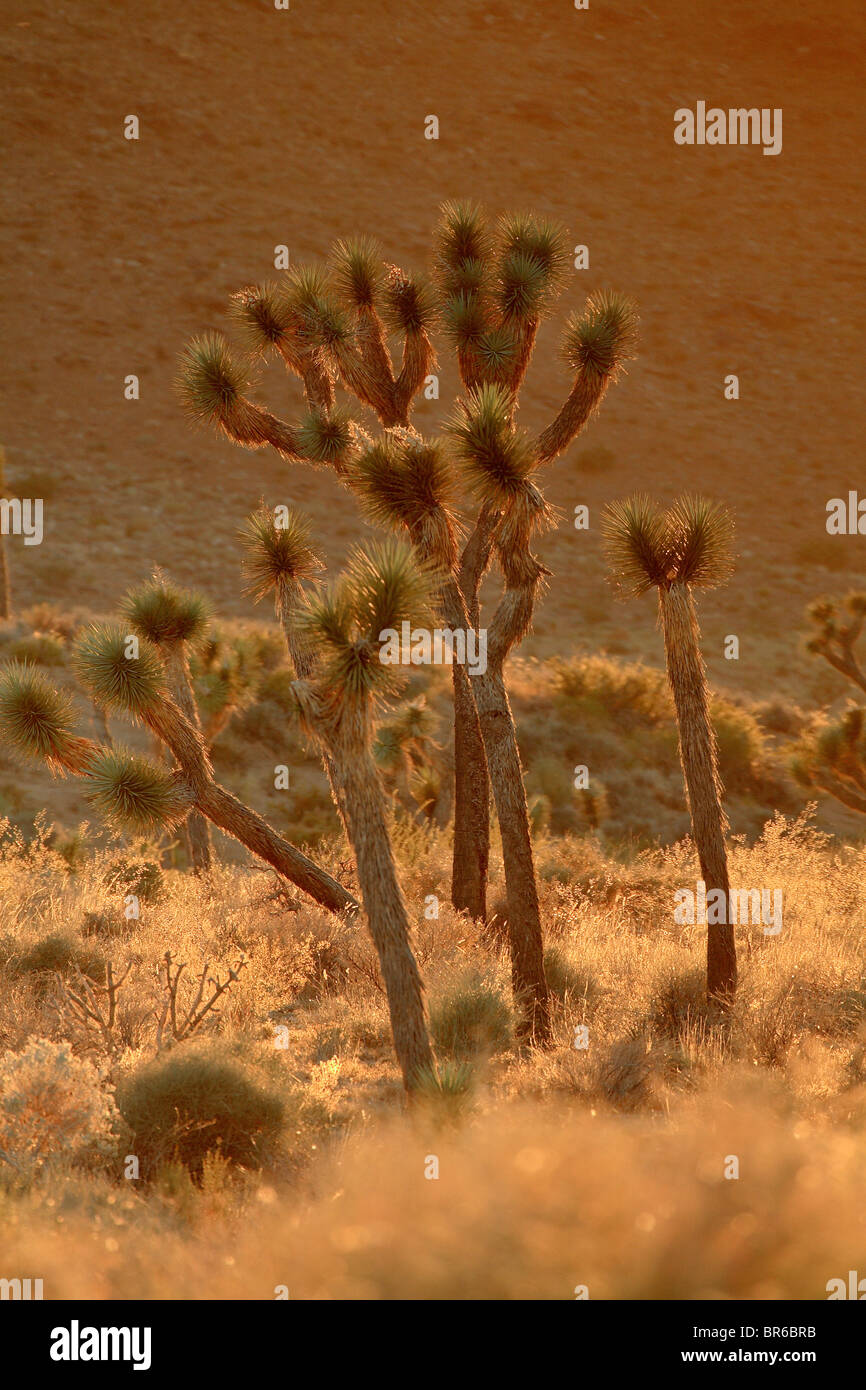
[679,1003]
[39,648]
[189,1103]
[60,953]
[469,1017]
[568,982]
[53,1104]
[144,879]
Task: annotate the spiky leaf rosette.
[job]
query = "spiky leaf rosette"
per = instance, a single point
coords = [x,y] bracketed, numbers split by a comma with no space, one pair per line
[537,239]
[407,482]
[409,304]
[327,437]
[165,613]
[358,271]
[465,320]
[599,340]
[278,557]
[211,386]
[37,721]
[134,792]
[495,460]
[133,684]
[636,546]
[701,535]
[307,294]
[463,247]
[382,587]
[258,313]
[524,287]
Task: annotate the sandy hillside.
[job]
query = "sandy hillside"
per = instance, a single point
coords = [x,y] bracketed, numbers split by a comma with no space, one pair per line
[261,127]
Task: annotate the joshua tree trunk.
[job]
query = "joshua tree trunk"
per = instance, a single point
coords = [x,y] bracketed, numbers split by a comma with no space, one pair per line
[499,735]
[243,824]
[471,850]
[180,685]
[524,913]
[385,907]
[698,754]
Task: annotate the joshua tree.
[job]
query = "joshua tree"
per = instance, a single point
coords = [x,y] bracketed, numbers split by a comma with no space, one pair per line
[686,548]
[831,756]
[333,639]
[492,289]
[38,722]
[174,619]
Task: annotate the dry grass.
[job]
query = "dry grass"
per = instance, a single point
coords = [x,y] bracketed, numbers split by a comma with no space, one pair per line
[601,1165]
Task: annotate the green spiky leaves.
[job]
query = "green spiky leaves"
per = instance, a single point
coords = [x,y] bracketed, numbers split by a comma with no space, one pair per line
[259,315]
[164,613]
[278,551]
[358,271]
[405,481]
[462,248]
[382,587]
[134,792]
[645,548]
[326,437]
[409,304]
[210,382]
[496,461]
[37,721]
[121,670]
[531,266]
[702,534]
[598,341]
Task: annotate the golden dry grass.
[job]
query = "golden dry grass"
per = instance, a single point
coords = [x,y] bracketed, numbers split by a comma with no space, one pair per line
[602,1166]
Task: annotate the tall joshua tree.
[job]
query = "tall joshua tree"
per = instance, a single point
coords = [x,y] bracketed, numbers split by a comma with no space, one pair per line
[831,755]
[492,288]
[174,619]
[333,639]
[38,722]
[686,548]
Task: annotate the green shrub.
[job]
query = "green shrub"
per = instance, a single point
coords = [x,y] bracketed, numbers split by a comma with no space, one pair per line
[190,1103]
[470,1017]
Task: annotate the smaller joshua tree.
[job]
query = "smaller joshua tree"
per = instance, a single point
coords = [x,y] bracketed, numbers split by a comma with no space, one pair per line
[173,619]
[333,639]
[38,722]
[676,552]
[831,756]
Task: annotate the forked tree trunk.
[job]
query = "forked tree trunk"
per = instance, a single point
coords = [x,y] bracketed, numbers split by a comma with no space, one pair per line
[496,724]
[180,684]
[166,721]
[699,757]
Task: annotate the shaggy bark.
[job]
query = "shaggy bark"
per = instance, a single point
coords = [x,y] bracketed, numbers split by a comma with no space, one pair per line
[699,757]
[180,685]
[385,907]
[508,625]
